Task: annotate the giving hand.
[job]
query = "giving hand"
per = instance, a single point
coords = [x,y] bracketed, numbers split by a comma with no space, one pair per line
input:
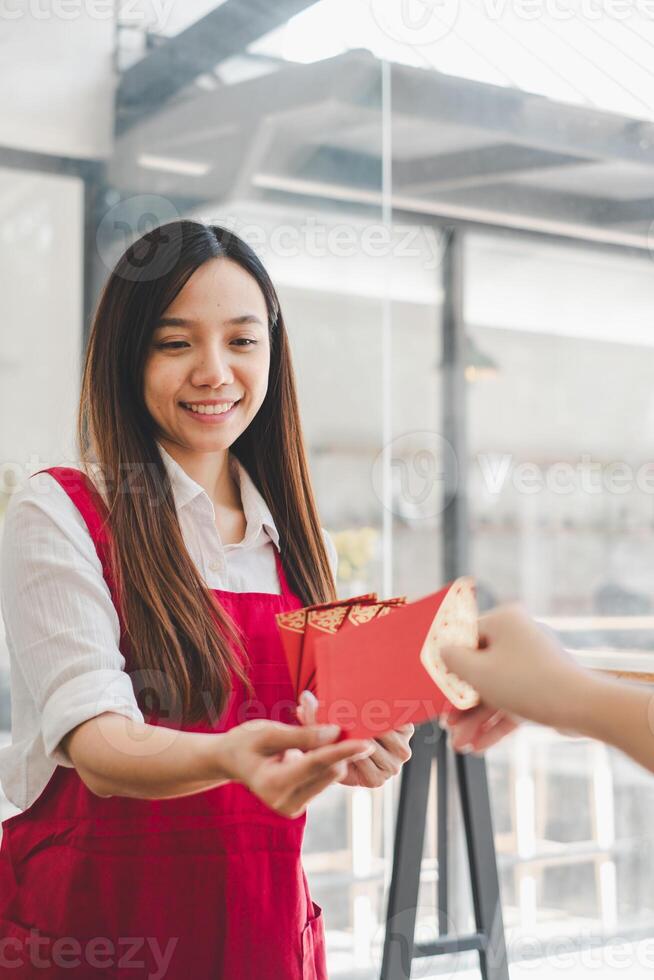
[389,755]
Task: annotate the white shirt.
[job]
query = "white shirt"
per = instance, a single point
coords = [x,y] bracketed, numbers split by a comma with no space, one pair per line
[61,626]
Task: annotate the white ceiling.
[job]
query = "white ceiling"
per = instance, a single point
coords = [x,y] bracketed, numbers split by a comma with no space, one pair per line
[58,77]
[596,54]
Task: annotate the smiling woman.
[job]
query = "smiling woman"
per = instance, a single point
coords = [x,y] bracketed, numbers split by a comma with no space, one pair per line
[167,779]
[203,290]
[202,343]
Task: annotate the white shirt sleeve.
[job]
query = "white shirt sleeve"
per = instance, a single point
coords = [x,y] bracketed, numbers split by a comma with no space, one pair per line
[61,625]
[332,553]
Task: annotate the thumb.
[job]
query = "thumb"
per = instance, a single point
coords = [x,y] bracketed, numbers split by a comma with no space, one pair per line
[308,708]
[465,663]
[282,737]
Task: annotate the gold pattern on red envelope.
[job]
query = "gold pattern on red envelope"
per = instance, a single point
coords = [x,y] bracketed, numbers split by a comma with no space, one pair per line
[327,620]
[294,624]
[362,614]
[294,620]
[359,614]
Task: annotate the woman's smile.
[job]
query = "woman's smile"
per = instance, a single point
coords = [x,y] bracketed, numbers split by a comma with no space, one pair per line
[210,414]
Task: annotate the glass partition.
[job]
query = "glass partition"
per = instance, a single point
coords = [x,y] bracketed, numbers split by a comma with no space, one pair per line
[41,225]
[561,518]
[348,142]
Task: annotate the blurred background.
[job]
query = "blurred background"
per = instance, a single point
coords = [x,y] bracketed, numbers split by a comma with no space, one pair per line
[455,201]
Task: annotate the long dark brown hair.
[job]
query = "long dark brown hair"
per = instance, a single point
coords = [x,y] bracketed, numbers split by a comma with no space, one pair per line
[169,614]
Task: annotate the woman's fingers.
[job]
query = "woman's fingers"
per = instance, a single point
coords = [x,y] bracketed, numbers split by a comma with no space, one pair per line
[492,736]
[482,729]
[463,731]
[311,765]
[298,779]
[453,716]
[391,749]
[302,794]
[307,708]
[395,744]
[273,737]
[467,727]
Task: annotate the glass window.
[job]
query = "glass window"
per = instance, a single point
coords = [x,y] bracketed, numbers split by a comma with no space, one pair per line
[406,173]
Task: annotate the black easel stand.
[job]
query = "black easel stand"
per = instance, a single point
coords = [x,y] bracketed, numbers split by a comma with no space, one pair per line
[430,741]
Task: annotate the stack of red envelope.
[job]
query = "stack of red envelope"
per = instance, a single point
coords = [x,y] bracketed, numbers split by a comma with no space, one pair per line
[375,664]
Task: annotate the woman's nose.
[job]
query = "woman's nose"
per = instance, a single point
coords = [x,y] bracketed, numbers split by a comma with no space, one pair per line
[213,368]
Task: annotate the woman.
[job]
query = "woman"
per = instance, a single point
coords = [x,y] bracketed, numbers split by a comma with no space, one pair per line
[523,672]
[157,758]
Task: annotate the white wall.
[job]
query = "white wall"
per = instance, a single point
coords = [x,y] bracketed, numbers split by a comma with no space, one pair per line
[41,223]
[57,71]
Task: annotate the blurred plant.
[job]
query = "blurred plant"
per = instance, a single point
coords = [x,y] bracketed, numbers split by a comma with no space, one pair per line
[355,547]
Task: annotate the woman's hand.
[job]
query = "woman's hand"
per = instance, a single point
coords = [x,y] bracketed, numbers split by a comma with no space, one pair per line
[391,750]
[477,729]
[287,765]
[520,669]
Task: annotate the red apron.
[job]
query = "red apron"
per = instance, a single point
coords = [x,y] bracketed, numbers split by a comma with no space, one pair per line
[199,887]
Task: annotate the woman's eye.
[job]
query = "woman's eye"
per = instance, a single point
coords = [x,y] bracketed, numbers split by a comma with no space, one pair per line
[176,344]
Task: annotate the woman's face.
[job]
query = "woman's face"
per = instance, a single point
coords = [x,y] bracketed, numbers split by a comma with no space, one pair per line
[220,354]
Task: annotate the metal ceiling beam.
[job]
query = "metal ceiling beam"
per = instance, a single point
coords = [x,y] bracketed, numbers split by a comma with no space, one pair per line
[526,199]
[32,161]
[434,173]
[353,80]
[512,116]
[333,169]
[573,221]
[345,79]
[221,33]
[474,167]
[333,164]
[634,211]
[322,95]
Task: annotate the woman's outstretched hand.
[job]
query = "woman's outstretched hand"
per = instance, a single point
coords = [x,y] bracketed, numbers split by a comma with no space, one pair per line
[391,750]
[477,729]
[521,671]
[287,765]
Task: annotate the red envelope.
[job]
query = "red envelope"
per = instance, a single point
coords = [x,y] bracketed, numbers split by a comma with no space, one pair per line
[292,626]
[353,616]
[387,672]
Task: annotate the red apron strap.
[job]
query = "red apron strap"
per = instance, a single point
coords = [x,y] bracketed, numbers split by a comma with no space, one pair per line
[283,581]
[93,509]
